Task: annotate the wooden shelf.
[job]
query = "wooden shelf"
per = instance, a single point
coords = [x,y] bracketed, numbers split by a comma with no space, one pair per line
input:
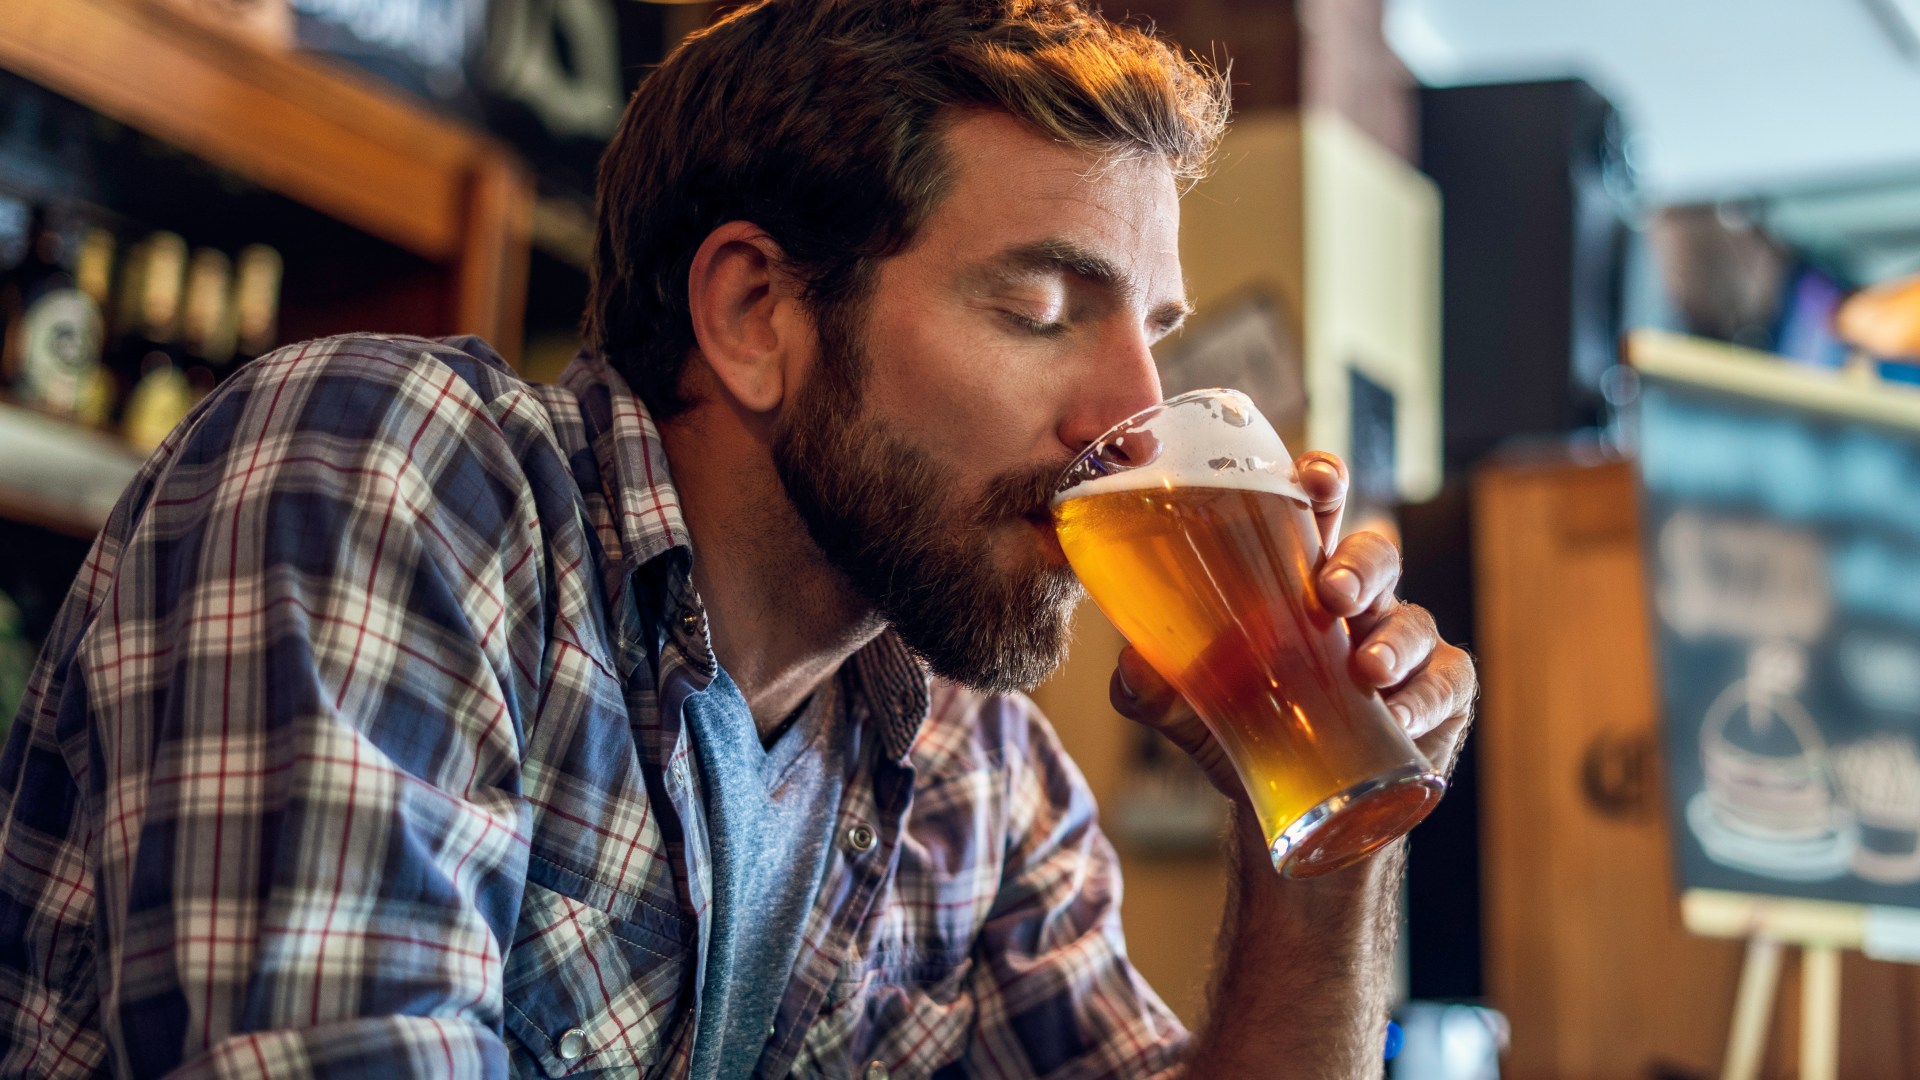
[310,131]
[27,508]
[1776,378]
[59,476]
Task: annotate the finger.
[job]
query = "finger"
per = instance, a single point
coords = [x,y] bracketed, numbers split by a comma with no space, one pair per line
[1376,612]
[1443,744]
[1140,694]
[1397,646]
[1360,576]
[1323,477]
[1439,692]
[1137,690]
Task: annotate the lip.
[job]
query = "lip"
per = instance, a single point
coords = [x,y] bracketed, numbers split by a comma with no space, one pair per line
[1042,523]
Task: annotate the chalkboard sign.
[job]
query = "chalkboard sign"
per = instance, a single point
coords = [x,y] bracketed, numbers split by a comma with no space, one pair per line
[1782,533]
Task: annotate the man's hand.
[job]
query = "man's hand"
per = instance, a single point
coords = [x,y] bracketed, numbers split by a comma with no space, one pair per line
[1428,684]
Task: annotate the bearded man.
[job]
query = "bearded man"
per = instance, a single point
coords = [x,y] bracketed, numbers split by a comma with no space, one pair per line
[408,719]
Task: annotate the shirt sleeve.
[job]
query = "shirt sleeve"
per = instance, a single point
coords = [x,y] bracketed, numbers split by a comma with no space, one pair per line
[292,718]
[1056,994]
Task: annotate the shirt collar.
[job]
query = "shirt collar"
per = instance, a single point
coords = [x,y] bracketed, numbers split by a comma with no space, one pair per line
[643,525]
[642,504]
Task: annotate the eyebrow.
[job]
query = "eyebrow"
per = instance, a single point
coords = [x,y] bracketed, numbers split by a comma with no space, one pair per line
[1060,256]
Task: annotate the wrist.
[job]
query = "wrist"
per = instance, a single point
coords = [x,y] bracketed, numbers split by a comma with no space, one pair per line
[1348,896]
[1317,952]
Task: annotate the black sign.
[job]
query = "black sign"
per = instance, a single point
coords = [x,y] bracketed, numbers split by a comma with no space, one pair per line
[549,76]
[1783,546]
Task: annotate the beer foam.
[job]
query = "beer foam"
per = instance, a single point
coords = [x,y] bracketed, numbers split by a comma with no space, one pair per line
[1203,439]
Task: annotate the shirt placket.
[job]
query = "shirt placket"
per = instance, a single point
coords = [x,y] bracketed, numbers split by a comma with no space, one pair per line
[686,656]
[867,835]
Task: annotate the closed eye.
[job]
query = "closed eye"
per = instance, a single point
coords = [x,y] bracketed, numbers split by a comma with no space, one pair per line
[1037,327]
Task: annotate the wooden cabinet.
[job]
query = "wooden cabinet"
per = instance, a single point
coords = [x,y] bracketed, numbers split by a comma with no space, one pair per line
[390,216]
[1585,952]
[306,130]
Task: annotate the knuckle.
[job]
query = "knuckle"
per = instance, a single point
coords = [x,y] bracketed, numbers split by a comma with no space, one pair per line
[1375,548]
[1428,626]
[1469,689]
[1417,694]
[1436,687]
[1401,624]
[1412,619]
[1371,556]
[1458,661]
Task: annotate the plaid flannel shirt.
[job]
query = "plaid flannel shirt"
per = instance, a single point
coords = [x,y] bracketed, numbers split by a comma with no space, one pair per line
[345,759]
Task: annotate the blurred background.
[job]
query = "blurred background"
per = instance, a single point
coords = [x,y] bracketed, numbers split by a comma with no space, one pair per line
[1609,306]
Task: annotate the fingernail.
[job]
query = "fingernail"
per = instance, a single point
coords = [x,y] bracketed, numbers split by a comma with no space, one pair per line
[1402,714]
[1383,652]
[1345,584]
[1126,688]
[1326,472]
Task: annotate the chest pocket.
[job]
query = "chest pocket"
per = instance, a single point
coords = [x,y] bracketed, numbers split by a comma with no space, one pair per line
[914,1017]
[589,994]
[904,995]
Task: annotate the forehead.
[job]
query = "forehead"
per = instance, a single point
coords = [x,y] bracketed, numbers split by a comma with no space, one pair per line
[1011,185]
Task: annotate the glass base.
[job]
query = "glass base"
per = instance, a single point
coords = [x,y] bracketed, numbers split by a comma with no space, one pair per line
[1357,822]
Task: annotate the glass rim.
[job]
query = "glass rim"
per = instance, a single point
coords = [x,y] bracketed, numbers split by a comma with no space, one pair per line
[1140,417]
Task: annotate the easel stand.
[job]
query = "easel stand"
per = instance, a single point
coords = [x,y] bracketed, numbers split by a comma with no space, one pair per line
[1770,925]
[1819,1011]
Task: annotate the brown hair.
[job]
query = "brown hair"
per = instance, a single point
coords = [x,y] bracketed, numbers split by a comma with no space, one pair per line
[819,121]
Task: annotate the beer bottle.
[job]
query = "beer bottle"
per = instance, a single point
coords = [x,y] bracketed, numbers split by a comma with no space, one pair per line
[127,327]
[256,301]
[53,348]
[93,274]
[207,324]
[162,395]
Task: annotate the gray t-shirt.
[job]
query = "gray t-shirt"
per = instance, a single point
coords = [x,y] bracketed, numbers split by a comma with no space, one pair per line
[771,814]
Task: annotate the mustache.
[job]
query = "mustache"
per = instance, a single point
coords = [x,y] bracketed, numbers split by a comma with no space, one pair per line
[1023,494]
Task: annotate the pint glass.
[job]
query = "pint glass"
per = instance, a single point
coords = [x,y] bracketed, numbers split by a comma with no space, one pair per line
[1189,529]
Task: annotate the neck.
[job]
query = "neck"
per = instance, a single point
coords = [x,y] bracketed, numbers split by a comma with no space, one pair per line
[782,619]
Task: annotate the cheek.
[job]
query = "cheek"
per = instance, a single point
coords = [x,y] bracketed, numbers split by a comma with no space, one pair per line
[963,389]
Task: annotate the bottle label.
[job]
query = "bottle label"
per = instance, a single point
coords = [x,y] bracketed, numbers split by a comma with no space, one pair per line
[60,345]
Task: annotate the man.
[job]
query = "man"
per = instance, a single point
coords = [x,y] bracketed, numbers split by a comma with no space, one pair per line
[410,720]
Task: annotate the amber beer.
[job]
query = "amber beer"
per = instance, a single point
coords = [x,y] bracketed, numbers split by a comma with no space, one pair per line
[1208,575]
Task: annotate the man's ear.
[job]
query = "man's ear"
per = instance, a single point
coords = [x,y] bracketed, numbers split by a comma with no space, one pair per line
[748,319]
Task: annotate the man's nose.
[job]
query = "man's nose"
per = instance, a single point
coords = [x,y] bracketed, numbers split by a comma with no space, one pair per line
[1120,380]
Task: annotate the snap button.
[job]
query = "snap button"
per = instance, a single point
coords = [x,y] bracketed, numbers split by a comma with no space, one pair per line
[877,1070]
[573,1045]
[861,838]
[690,620]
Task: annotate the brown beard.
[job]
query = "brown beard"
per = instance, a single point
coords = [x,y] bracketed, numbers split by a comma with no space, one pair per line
[888,519]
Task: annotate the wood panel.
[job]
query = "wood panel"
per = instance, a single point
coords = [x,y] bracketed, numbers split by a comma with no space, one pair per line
[490,293]
[1585,950]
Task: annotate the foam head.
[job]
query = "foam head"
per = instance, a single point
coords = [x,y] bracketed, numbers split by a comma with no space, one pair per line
[1201,439]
